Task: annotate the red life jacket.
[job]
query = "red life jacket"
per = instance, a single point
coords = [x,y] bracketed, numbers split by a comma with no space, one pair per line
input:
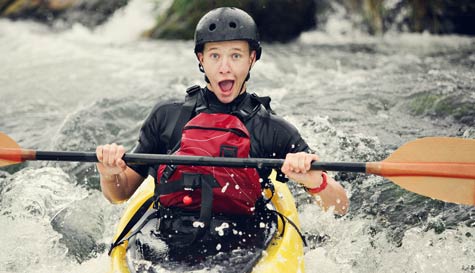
[234,190]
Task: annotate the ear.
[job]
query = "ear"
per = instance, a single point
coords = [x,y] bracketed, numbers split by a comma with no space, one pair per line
[253,58]
[199,56]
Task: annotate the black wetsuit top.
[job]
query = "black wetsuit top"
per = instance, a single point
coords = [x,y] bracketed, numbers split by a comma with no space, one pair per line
[271,136]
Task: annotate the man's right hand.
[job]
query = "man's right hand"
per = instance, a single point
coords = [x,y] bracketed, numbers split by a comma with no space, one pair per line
[110,159]
[118,182]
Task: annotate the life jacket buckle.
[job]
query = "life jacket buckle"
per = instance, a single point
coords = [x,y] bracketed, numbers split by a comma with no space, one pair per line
[191,181]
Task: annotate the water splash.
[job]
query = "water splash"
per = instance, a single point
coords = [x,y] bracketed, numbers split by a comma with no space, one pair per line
[57,223]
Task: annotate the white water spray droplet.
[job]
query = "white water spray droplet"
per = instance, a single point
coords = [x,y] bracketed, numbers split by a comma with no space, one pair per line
[223,189]
[221,228]
[199,224]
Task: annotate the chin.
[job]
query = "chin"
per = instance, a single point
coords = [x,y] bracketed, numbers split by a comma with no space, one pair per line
[226,99]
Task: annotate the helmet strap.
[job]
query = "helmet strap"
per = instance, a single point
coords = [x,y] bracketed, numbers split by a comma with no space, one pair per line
[247,77]
[200,66]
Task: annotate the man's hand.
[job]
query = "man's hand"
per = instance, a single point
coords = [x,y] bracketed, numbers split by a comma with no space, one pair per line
[297,167]
[110,159]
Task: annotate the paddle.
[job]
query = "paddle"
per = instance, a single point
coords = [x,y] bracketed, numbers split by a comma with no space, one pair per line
[438,167]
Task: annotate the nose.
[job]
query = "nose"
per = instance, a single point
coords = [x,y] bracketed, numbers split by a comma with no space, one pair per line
[224,66]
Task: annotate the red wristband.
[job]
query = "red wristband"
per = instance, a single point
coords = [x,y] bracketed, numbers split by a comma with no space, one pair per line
[320,188]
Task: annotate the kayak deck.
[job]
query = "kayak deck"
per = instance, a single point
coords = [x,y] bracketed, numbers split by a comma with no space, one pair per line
[284,254]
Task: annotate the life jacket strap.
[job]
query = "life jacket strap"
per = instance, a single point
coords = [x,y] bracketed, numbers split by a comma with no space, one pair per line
[191,181]
[185,115]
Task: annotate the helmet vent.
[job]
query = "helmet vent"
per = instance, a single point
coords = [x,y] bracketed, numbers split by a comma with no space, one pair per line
[232,25]
[212,27]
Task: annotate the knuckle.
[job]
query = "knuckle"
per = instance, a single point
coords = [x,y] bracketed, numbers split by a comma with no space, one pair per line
[121,149]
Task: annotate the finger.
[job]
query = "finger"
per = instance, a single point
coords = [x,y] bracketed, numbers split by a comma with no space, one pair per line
[112,154]
[309,159]
[121,163]
[293,160]
[105,154]
[301,160]
[99,153]
[315,157]
[286,165]
[118,156]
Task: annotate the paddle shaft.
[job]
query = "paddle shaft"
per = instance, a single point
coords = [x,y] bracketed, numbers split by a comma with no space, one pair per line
[386,169]
[438,167]
[150,159]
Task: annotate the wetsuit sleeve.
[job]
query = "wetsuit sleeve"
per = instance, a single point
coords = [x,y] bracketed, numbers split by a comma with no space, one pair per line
[152,138]
[277,137]
[288,140]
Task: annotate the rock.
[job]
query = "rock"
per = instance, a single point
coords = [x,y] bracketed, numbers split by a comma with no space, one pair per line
[377,17]
[87,12]
[277,20]
[443,17]
[280,21]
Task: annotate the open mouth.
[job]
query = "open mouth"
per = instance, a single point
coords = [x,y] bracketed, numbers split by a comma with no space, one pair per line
[226,85]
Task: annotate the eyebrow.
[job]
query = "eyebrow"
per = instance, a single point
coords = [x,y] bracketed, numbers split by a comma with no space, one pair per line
[234,48]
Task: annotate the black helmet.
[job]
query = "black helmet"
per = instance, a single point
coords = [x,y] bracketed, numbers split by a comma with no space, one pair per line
[227,24]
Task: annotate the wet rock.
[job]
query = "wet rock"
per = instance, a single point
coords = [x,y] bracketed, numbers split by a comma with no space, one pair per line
[378,17]
[442,16]
[276,20]
[87,12]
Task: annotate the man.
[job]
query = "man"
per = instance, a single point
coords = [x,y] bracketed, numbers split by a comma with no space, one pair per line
[227,46]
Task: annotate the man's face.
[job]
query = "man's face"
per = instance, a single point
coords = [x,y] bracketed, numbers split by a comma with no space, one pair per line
[226,65]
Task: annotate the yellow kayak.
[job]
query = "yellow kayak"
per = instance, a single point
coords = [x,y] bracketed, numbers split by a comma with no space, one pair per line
[284,253]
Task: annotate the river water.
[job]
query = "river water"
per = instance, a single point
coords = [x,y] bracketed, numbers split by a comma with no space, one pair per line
[353,97]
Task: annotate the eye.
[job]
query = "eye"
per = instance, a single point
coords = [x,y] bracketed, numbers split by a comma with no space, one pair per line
[214,55]
[236,56]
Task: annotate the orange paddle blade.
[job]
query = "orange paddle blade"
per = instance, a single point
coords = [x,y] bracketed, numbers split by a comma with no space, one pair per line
[10,152]
[438,167]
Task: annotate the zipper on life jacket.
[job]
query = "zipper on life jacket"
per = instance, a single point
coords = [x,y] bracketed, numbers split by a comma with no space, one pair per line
[230,130]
